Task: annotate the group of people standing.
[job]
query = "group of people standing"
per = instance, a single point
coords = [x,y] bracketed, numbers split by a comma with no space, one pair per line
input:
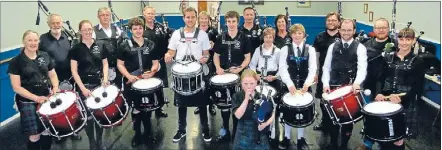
[290,63]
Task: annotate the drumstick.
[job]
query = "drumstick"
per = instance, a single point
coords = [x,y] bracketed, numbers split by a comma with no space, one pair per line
[400,94]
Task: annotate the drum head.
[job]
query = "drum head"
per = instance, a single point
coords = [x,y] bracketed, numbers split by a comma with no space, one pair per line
[186,67]
[382,107]
[338,93]
[112,93]
[265,90]
[67,98]
[224,78]
[147,83]
[297,99]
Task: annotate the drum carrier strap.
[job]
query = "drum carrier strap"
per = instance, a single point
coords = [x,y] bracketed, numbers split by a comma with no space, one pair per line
[139,49]
[266,60]
[229,47]
[189,56]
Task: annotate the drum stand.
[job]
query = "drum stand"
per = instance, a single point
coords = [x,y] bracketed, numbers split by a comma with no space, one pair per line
[83,115]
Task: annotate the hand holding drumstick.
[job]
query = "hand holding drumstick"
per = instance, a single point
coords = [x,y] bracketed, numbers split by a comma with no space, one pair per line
[395,98]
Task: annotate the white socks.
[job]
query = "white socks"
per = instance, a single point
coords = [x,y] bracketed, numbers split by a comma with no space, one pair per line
[288,129]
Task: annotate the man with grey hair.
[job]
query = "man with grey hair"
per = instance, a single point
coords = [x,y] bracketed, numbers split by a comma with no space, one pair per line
[109,34]
[57,44]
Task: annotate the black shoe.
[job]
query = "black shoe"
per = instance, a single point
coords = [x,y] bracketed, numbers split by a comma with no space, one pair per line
[285,143]
[76,137]
[136,140]
[197,111]
[178,136]
[331,147]
[273,142]
[319,126]
[301,144]
[59,140]
[160,113]
[206,136]
[149,139]
[212,110]
[224,138]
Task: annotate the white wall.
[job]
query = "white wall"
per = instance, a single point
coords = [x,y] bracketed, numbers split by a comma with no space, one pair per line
[278,7]
[17,17]
[423,15]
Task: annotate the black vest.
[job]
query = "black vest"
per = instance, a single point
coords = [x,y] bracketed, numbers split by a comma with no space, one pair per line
[297,66]
[399,74]
[344,63]
[110,43]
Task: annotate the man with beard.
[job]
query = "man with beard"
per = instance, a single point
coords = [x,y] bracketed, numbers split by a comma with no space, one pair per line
[345,60]
[250,29]
[375,47]
[156,32]
[321,43]
[57,45]
[109,34]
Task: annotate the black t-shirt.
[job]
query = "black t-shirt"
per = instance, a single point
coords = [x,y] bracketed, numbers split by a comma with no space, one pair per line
[322,41]
[282,41]
[254,35]
[89,60]
[29,76]
[160,36]
[130,56]
[58,50]
[241,47]
[237,100]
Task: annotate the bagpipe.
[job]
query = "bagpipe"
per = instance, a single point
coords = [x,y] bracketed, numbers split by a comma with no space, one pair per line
[262,108]
[73,36]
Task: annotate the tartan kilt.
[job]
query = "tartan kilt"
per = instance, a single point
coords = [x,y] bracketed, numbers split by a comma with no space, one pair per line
[29,121]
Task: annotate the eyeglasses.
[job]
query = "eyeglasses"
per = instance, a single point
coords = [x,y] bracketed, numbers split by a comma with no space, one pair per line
[381,28]
[86,30]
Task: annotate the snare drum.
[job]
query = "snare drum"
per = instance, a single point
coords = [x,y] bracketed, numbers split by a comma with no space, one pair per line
[107,106]
[384,121]
[66,118]
[344,106]
[298,110]
[265,91]
[187,78]
[223,87]
[148,94]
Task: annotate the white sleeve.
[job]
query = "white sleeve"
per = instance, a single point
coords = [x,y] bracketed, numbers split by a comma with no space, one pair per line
[312,66]
[254,62]
[205,41]
[285,76]
[362,64]
[277,55]
[327,66]
[174,40]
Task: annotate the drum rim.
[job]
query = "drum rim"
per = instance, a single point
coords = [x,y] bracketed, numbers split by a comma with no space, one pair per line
[75,131]
[187,93]
[339,97]
[303,125]
[385,140]
[51,115]
[383,115]
[235,82]
[85,100]
[200,69]
[304,106]
[120,120]
[151,89]
[59,113]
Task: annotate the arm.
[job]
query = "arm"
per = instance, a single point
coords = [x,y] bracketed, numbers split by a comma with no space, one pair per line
[16,86]
[327,66]
[312,67]
[105,70]
[239,112]
[254,62]
[74,71]
[246,61]
[285,76]
[54,80]
[362,64]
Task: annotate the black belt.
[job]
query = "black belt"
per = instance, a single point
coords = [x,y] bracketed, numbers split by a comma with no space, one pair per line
[273,73]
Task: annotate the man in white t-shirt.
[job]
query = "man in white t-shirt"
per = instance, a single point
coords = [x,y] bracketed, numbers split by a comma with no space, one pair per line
[190,42]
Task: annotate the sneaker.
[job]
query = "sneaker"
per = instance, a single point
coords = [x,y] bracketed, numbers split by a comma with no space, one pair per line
[178,136]
[285,143]
[207,137]
[301,144]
